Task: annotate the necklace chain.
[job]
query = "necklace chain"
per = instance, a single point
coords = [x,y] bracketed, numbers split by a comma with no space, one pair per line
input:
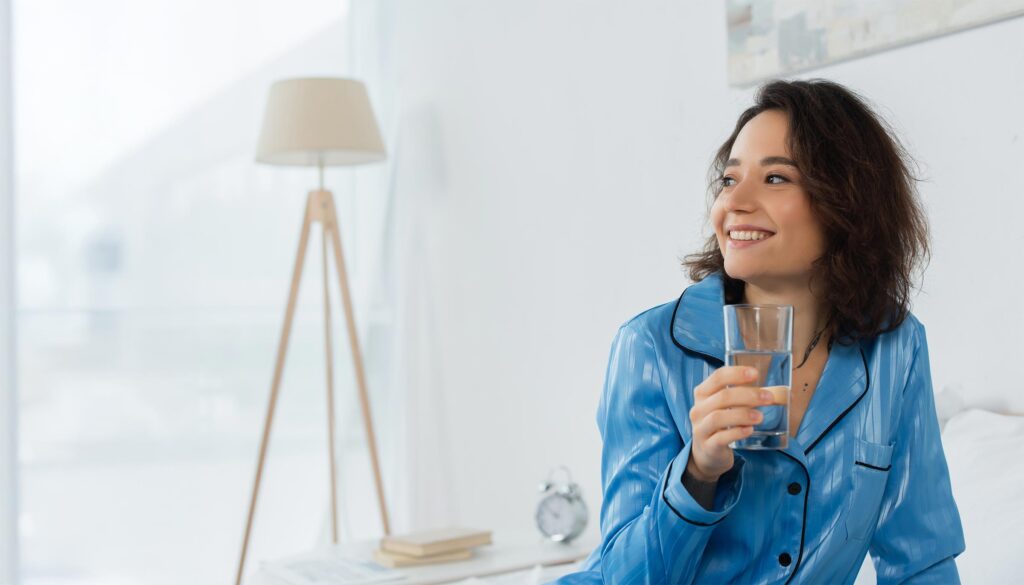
[814,342]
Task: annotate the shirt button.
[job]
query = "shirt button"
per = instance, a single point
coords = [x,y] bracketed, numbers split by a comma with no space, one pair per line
[784,559]
[794,488]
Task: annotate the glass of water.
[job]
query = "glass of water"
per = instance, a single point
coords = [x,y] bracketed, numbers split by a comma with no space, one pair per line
[761,336]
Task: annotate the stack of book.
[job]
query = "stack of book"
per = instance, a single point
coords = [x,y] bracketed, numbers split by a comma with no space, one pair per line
[429,547]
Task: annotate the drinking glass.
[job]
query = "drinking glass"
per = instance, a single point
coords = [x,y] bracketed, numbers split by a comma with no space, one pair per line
[761,336]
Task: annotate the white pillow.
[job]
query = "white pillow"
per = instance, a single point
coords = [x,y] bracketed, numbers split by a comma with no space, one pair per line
[949,402]
[986,469]
[985,454]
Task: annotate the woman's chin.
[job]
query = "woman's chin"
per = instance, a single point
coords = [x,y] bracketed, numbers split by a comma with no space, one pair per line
[737,271]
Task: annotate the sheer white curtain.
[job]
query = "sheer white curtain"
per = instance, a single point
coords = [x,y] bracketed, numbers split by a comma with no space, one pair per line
[8,402]
[154,259]
[423,493]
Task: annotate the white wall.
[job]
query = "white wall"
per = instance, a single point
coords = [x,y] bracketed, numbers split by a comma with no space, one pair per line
[557,153]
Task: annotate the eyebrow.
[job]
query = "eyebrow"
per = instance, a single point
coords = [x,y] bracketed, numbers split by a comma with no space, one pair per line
[768,160]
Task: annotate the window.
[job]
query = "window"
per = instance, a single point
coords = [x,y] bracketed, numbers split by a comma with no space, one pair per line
[153,263]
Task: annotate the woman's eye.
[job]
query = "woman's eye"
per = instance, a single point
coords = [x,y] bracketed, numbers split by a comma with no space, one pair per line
[781,179]
[727,181]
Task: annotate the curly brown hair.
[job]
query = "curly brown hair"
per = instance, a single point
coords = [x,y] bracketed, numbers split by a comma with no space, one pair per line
[858,177]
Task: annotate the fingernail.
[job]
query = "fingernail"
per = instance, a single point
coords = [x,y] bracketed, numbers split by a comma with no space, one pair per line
[767,396]
[751,372]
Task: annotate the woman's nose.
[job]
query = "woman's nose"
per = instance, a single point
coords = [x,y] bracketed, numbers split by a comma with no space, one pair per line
[742,196]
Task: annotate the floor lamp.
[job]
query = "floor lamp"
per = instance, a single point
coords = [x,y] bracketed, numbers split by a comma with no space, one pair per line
[319,122]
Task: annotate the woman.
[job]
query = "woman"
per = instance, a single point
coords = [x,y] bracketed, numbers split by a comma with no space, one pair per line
[814,206]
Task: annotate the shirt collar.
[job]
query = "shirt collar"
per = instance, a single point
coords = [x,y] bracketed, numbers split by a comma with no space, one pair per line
[698,323]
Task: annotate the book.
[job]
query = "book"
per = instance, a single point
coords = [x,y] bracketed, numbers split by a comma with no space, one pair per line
[432,542]
[395,560]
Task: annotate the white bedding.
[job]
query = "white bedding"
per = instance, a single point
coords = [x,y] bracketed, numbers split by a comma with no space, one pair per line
[985,454]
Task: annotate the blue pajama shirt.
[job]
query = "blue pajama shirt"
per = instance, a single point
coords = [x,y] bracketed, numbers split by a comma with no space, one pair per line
[865,472]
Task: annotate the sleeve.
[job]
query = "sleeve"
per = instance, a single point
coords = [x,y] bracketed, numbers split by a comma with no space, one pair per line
[652,530]
[919,532]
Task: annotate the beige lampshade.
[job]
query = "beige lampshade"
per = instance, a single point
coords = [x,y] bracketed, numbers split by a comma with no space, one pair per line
[319,120]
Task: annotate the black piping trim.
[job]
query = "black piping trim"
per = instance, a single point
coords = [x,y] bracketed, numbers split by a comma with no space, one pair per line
[803,527]
[671,507]
[672,321]
[803,520]
[672,332]
[869,466]
[867,385]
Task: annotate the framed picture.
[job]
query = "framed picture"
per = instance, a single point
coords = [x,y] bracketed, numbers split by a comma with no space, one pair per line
[770,38]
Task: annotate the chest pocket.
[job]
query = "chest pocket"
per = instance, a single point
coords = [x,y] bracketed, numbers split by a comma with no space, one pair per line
[871,465]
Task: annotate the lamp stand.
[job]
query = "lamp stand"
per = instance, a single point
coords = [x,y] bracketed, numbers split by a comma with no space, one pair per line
[319,208]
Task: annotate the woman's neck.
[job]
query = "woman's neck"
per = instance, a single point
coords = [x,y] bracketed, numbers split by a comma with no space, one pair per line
[809,312]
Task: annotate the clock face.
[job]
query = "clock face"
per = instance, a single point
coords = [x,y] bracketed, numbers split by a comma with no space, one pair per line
[559,517]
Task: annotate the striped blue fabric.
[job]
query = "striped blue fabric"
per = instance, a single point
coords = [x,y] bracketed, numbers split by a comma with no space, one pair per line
[867,462]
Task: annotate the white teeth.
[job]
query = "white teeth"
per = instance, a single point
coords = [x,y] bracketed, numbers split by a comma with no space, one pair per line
[748,235]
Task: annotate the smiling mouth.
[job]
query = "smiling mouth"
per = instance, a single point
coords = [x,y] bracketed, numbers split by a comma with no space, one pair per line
[749,236]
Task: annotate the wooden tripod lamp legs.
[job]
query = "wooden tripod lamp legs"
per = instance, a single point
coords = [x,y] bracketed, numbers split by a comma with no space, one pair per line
[329,352]
[319,207]
[357,358]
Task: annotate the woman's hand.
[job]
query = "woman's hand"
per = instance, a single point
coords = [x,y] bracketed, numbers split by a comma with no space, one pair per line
[715,409]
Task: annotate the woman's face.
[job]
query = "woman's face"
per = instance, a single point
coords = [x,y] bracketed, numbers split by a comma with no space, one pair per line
[762,198]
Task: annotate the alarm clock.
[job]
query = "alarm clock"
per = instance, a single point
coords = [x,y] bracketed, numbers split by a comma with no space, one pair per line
[561,513]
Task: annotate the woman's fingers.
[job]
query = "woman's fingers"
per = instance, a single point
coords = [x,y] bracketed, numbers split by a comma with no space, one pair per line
[732,417]
[730,398]
[738,396]
[724,437]
[722,377]
[723,419]
[724,411]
